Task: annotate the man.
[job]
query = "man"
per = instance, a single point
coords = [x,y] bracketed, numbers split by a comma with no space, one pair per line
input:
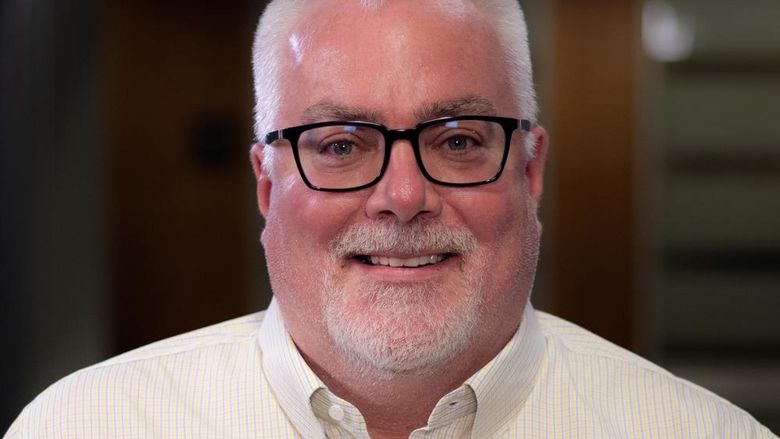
[399,171]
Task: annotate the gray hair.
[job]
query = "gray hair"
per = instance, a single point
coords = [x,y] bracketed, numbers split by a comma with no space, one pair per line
[280,16]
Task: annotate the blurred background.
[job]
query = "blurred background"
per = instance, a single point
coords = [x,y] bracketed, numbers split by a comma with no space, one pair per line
[127,208]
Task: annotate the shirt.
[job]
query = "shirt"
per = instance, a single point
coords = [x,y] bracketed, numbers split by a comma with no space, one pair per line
[244,378]
[498,389]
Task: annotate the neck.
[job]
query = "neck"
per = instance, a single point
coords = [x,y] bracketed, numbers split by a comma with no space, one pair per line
[393,405]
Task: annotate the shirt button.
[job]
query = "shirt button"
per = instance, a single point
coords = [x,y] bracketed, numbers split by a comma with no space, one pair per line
[336,413]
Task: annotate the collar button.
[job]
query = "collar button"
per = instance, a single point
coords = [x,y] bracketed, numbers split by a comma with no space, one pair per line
[336,413]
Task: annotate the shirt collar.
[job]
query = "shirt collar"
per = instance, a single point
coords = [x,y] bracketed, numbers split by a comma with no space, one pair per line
[500,388]
[503,385]
[291,379]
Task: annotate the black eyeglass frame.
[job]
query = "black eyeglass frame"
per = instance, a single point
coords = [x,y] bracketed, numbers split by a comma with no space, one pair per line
[292,134]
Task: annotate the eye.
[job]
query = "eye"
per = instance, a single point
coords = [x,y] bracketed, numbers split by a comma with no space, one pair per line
[462,142]
[339,147]
[458,143]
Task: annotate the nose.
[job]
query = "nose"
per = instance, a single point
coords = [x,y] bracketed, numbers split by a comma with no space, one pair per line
[403,191]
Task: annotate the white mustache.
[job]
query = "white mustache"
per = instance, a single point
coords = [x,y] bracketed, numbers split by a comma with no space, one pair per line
[390,237]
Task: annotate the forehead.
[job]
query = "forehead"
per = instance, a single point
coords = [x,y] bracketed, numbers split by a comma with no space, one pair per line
[392,60]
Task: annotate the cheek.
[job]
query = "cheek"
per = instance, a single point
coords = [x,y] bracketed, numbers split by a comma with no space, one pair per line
[504,223]
[494,214]
[292,250]
[307,220]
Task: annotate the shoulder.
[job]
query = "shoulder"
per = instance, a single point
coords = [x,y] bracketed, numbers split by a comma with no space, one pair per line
[179,384]
[569,339]
[237,331]
[626,395]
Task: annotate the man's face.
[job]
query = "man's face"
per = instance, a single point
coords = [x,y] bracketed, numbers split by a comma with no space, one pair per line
[332,256]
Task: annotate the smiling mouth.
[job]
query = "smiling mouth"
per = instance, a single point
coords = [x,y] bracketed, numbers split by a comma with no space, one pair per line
[414,262]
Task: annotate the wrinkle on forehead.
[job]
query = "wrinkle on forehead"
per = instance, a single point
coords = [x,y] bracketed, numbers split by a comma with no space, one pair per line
[457,9]
[452,8]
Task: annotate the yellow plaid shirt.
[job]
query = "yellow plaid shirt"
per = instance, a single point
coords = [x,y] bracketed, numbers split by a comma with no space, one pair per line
[244,378]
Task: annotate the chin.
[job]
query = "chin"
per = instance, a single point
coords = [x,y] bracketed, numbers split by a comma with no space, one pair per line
[401,328]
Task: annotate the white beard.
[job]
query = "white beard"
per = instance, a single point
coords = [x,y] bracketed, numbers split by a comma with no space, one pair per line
[390,328]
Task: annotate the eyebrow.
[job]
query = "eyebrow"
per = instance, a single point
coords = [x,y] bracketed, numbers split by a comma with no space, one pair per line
[466,105]
[326,110]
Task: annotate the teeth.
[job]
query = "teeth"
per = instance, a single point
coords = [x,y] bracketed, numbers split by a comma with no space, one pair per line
[410,262]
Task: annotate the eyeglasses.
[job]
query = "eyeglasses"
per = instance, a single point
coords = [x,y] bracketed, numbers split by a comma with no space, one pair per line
[339,156]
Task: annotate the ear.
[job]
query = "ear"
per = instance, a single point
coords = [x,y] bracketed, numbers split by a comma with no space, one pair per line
[534,169]
[262,177]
